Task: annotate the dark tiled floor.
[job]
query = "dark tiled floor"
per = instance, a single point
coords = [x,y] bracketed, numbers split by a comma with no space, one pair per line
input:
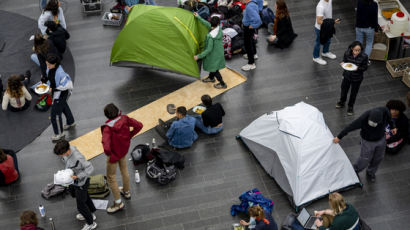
[218,168]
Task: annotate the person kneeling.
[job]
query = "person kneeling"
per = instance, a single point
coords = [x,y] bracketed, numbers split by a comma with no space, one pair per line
[210,121]
[181,133]
[82,169]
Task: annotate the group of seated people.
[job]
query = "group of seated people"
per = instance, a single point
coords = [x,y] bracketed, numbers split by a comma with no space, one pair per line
[51,40]
[180,133]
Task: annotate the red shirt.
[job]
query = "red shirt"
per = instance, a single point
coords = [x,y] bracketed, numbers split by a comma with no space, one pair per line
[8,170]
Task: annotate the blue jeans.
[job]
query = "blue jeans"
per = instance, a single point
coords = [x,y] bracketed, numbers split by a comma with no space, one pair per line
[34,58]
[316,49]
[208,130]
[369,33]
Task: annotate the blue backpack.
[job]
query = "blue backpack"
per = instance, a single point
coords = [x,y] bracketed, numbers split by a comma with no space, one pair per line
[268,16]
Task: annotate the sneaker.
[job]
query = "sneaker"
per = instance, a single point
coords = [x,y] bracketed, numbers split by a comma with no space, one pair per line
[81,217]
[90,227]
[369,63]
[28,75]
[329,55]
[340,105]
[254,56]
[116,207]
[371,178]
[67,127]
[248,67]
[220,86]
[126,195]
[320,61]
[206,80]
[350,111]
[58,137]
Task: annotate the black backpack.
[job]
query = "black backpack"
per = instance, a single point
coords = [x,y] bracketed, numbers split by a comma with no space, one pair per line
[159,172]
[53,190]
[141,154]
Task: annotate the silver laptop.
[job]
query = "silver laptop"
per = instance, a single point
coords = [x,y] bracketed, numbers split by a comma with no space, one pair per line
[306,220]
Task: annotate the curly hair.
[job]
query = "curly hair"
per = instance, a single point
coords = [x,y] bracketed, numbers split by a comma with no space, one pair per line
[396,105]
[28,217]
[52,6]
[40,44]
[14,86]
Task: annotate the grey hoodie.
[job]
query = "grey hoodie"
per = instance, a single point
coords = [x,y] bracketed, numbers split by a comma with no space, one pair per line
[80,166]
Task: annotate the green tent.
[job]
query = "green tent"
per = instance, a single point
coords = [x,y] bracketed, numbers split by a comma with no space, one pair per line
[163,38]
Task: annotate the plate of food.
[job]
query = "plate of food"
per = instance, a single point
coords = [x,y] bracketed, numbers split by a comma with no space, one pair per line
[349,66]
[42,89]
[199,109]
[237,227]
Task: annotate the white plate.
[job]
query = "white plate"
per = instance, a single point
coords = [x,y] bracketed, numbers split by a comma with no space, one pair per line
[39,91]
[198,107]
[351,68]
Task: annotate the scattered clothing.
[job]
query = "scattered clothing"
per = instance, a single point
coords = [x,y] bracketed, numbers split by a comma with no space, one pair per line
[250,198]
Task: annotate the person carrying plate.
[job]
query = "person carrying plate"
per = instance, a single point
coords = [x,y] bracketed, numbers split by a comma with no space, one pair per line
[352,75]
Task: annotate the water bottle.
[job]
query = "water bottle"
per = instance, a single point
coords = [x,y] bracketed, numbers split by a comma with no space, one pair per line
[154,145]
[52,224]
[42,210]
[137,177]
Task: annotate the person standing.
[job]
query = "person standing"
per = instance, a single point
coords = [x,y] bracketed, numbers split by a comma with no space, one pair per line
[366,22]
[251,21]
[60,87]
[323,11]
[82,169]
[213,53]
[353,79]
[372,124]
[116,138]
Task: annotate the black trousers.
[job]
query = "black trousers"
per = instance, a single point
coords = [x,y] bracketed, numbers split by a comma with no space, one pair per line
[346,84]
[250,44]
[216,75]
[85,205]
[58,108]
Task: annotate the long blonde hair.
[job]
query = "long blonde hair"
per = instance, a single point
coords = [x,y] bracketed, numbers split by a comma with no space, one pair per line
[337,203]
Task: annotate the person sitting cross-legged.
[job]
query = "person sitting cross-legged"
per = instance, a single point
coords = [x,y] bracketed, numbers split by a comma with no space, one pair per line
[181,133]
[210,121]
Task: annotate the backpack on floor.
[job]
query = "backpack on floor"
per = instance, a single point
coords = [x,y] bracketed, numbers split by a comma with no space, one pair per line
[44,102]
[268,16]
[227,42]
[141,154]
[53,190]
[203,11]
[98,187]
[159,172]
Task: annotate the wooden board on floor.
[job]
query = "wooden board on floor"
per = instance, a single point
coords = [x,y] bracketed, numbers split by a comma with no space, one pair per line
[189,96]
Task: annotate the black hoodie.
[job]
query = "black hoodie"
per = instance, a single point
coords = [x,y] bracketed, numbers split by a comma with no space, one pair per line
[380,115]
[59,38]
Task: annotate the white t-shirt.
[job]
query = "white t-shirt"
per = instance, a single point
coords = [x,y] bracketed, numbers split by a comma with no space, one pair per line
[323,9]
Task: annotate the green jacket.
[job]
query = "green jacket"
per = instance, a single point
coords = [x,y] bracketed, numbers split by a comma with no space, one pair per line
[213,54]
[344,220]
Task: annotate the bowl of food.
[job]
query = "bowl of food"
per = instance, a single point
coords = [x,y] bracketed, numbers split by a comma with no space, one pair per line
[349,66]
[199,109]
[237,227]
[41,89]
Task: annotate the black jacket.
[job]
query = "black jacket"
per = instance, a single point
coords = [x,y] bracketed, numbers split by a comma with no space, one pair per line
[366,14]
[213,115]
[361,62]
[402,125]
[59,38]
[284,32]
[327,29]
[43,56]
[367,132]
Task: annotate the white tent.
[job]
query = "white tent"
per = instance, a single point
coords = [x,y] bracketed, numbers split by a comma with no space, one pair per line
[295,147]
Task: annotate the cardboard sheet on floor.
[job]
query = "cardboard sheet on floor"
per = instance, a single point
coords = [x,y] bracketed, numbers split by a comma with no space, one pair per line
[188,96]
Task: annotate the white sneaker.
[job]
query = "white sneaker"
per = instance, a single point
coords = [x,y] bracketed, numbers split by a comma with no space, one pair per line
[81,217]
[254,56]
[67,127]
[248,67]
[329,55]
[89,227]
[320,61]
[58,137]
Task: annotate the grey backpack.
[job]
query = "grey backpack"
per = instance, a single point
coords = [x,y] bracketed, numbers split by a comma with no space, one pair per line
[52,190]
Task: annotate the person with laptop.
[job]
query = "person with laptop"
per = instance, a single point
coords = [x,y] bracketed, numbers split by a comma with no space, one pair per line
[345,215]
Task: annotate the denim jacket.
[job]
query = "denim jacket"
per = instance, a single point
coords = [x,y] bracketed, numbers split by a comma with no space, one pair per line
[182,133]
